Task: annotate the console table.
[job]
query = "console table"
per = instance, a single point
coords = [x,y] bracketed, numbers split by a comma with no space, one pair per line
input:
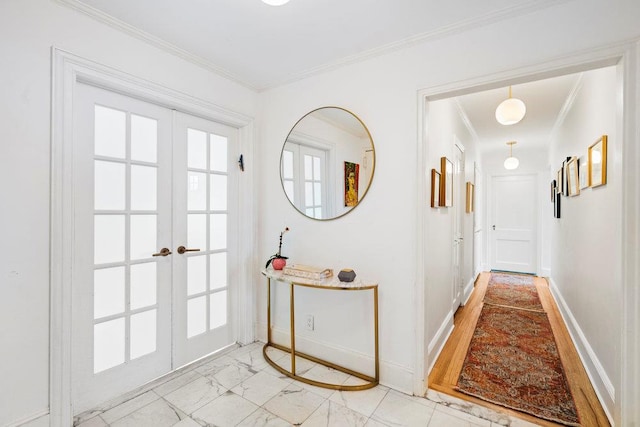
[332,284]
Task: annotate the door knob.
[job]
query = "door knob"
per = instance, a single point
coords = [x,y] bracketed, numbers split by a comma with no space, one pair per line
[182,249]
[163,252]
[494,227]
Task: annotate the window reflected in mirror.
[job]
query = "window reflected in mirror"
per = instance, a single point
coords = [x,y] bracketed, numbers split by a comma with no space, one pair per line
[327,163]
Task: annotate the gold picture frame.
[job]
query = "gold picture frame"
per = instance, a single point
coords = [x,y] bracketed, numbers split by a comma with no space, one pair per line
[470,198]
[573,180]
[446,182]
[598,162]
[435,188]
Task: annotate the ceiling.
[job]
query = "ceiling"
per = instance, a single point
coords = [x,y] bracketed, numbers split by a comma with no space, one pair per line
[262,46]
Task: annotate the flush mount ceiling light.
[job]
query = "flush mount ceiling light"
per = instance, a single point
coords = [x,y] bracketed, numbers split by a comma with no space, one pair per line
[511,162]
[275,2]
[510,111]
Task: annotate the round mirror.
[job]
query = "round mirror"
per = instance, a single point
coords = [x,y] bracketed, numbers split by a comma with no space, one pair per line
[327,163]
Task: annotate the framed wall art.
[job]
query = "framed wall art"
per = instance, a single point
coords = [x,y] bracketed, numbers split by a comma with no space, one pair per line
[573,182]
[598,162]
[435,188]
[559,181]
[554,190]
[351,178]
[583,172]
[446,182]
[470,198]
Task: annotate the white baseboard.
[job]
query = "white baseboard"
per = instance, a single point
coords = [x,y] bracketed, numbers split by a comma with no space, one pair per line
[439,340]
[392,375]
[544,272]
[40,419]
[601,383]
[466,293]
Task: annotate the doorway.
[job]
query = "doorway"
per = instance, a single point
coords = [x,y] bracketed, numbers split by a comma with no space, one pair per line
[155,206]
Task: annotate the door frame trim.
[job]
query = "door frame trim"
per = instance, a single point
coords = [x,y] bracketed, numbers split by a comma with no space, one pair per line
[67,70]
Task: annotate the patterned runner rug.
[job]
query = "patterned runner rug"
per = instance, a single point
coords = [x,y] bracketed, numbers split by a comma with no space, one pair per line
[512,290]
[513,361]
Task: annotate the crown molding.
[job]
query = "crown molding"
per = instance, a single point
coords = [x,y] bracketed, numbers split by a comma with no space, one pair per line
[119,25]
[446,30]
[566,107]
[441,32]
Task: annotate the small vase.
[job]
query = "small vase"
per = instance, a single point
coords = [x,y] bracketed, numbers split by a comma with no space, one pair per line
[278,263]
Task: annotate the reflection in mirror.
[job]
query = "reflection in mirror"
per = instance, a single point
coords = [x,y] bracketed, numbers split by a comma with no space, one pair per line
[327,163]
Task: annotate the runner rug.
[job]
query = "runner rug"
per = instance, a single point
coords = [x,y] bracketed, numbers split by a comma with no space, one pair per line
[513,361]
[512,290]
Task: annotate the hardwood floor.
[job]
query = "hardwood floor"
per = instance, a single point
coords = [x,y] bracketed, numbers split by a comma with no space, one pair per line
[445,373]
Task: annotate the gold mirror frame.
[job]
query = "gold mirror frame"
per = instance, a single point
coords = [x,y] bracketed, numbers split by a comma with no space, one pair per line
[316,131]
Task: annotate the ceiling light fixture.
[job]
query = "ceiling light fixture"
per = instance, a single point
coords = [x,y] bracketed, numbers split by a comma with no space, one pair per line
[510,111]
[275,2]
[511,162]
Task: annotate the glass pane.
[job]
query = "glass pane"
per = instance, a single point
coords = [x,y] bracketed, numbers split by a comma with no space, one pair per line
[109,186]
[196,316]
[143,334]
[308,194]
[108,345]
[218,153]
[317,193]
[110,133]
[108,238]
[144,139]
[144,188]
[197,231]
[218,238]
[197,191]
[287,164]
[218,270]
[310,212]
[318,213]
[218,310]
[288,189]
[196,274]
[144,234]
[143,285]
[317,172]
[196,149]
[218,192]
[108,292]
[308,167]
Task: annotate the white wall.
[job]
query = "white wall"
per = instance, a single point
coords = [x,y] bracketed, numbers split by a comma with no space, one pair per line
[28,30]
[586,241]
[445,127]
[378,238]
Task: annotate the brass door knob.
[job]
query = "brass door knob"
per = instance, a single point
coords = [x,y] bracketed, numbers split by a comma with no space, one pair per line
[182,249]
[163,252]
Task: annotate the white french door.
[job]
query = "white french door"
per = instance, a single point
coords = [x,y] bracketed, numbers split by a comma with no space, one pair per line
[513,223]
[146,182]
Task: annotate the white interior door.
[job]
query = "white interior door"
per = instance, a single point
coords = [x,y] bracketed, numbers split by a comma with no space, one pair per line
[146,181]
[122,217]
[205,188]
[513,223]
[458,225]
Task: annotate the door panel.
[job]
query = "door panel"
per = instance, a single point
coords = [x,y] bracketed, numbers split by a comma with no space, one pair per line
[121,292]
[205,189]
[458,225]
[513,229]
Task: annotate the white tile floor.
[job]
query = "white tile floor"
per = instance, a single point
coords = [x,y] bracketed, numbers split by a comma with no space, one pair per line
[241,389]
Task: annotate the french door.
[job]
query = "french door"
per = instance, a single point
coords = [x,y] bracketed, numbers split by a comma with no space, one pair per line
[153,260]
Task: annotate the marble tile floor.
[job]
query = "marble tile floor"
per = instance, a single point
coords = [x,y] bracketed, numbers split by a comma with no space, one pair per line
[240,389]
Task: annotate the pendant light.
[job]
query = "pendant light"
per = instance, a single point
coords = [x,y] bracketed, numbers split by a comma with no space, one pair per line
[511,162]
[510,111]
[275,2]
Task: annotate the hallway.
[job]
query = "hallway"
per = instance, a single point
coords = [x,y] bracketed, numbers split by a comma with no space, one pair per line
[444,375]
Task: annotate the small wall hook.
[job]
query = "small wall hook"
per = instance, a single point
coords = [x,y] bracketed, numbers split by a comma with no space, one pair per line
[241,163]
